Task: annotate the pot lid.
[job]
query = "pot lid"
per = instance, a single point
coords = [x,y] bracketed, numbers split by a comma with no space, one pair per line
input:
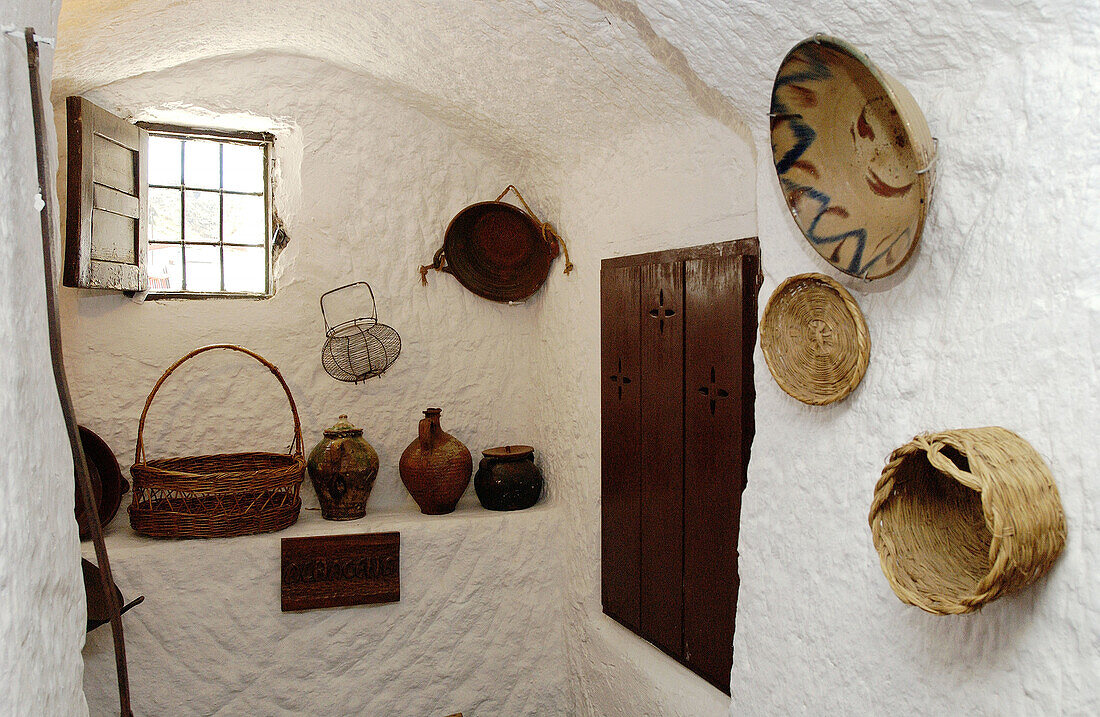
[498,251]
[508,452]
[343,429]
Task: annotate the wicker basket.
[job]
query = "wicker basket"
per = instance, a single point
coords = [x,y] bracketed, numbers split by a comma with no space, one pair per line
[217,496]
[814,339]
[962,517]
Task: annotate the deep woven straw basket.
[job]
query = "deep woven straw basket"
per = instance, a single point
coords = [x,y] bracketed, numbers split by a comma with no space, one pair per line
[217,496]
[962,517]
[814,339]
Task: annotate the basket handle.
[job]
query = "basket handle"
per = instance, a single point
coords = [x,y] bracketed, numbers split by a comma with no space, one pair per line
[551,237]
[296,448]
[373,303]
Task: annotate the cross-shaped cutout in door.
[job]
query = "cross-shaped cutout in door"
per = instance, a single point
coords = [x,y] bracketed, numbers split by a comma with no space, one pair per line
[661,312]
[620,379]
[713,392]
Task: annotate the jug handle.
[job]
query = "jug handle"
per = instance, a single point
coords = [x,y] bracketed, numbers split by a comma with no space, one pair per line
[426,434]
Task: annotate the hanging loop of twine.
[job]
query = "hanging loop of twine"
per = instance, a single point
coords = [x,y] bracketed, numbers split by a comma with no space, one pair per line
[548,234]
[437,265]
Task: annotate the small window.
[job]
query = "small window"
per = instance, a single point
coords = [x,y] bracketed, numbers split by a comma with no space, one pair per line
[209,213]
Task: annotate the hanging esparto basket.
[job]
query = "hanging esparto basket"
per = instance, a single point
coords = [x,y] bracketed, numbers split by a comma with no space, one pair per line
[360,348]
[962,517]
[814,339]
[217,496]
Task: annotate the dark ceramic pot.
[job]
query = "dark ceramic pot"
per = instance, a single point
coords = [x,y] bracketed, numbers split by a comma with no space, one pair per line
[508,479]
[343,467]
[436,467]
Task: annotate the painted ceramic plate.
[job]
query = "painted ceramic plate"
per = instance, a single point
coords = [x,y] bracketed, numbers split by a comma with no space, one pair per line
[854,157]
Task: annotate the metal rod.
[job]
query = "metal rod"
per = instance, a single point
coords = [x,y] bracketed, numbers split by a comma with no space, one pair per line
[80,461]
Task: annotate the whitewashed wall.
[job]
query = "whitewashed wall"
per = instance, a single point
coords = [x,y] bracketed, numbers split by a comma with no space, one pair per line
[994,323]
[41,599]
[366,186]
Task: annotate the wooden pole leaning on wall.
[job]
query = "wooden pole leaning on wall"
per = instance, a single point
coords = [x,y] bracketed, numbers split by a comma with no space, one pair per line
[79,460]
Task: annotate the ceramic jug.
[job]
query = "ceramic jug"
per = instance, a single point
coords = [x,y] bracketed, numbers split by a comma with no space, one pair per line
[436,467]
[343,467]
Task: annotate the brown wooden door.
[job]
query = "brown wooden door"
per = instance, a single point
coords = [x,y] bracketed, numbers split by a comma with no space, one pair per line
[714,466]
[661,454]
[619,423]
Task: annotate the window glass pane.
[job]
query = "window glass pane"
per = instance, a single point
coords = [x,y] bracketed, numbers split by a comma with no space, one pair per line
[245,269]
[164,160]
[243,167]
[244,219]
[204,268]
[165,267]
[201,166]
[164,215]
[202,215]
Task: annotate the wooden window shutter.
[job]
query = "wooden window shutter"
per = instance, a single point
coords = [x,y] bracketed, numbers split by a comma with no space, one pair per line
[678,329]
[108,189]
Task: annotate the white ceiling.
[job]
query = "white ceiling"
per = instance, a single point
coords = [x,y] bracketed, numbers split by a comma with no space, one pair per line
[551,74]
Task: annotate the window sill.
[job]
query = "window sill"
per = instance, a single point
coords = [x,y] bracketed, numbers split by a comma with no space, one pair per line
[205,295]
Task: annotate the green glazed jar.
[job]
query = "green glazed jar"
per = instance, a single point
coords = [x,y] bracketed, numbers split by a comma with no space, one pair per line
[343,467]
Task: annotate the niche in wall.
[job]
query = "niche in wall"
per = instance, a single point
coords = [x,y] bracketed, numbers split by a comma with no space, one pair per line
[678,329]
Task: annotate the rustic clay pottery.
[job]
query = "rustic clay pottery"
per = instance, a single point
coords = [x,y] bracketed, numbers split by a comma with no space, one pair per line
[98,611]
[508,479]
[854,156]
[343,467]
[108,484]
[436,467]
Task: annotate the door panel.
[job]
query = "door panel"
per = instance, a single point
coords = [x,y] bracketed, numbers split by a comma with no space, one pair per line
[661,332]
[713,461]
[619,418]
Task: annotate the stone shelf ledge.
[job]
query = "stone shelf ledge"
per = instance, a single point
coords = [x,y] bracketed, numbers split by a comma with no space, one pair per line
[481,607]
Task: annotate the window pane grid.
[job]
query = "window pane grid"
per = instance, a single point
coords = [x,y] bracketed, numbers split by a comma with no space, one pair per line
[195,275]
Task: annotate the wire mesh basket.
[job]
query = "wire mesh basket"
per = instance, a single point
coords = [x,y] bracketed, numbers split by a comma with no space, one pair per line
[360,348]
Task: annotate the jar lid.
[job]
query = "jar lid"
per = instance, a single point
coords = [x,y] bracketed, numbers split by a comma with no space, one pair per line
[508,452]
[343,429]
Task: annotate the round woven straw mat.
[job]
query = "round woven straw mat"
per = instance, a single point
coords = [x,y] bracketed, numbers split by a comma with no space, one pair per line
[814,339]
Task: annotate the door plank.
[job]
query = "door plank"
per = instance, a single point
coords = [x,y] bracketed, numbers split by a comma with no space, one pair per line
[714,464]
[620,550]
[661,455]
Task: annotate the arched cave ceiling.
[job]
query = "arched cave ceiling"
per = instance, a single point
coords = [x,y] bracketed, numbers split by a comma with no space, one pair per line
[550,74]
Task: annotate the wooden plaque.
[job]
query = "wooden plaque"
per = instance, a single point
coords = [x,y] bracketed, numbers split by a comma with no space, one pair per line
[340,570]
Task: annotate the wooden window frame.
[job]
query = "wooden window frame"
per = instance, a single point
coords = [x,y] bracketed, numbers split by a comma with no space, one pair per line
[261,139]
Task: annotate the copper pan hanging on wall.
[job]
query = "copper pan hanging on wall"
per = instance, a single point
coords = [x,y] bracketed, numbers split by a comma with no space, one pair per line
[498,251]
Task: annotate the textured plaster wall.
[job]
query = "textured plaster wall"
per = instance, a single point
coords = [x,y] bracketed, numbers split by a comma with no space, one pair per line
[639,126]
[994,323]
[41,602]
[668,185]
[366,186]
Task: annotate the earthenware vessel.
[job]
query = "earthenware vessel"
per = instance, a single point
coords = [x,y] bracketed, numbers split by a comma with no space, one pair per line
[436,467]
[854,156]
[508,479]
[343,467]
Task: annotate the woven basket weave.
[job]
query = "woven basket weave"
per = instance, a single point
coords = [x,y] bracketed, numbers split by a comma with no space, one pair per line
[814,339]
[962,517]
[221,495]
